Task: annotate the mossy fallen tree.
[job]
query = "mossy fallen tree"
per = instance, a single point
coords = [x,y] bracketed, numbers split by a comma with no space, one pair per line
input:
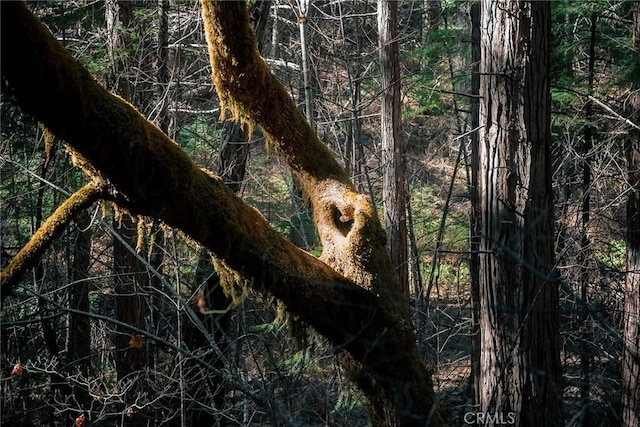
[350,296]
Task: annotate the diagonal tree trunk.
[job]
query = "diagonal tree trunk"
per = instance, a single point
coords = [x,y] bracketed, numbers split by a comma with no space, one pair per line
[351,296]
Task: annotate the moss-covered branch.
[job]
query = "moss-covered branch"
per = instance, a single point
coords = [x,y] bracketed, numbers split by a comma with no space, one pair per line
[353,239]
[156,178]
[239,73]
[46,235]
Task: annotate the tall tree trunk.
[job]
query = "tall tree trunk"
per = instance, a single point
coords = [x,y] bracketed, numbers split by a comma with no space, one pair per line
[474,224]
[392,156]
[301,232]
[156,234]
[130,357]
[631,319]
[162,66]
[431,14]
[59,385]
[303,13]
[518,292]
[118,15]
[129,281]
[585,241]
[205,387]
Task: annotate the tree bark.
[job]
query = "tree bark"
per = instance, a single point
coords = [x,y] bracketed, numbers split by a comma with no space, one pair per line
[631,317]
[474,223]
[304,14]
[162,66]
[519,303]
[151,175]
[392,156]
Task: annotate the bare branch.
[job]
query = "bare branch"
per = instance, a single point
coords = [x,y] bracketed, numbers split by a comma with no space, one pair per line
[610,110]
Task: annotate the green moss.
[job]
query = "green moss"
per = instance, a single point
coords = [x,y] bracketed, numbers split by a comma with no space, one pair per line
[49,139]
[234,285]
[47,233]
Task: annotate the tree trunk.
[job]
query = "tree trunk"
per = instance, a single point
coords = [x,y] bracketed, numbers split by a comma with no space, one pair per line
[79,338]
[59,386]
[118,13]
[431,14]
[474,224]
[392,156]
[352,297]
[304,13]
[631,319]
[129,281]
[130,356]
[162,66]
[519,311]
[210,390]
[585,241]
[301,232]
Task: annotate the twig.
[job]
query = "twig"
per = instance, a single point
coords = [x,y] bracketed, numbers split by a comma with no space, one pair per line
[610,110]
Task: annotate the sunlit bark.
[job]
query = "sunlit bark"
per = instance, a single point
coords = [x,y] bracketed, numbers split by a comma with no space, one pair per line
[392,146]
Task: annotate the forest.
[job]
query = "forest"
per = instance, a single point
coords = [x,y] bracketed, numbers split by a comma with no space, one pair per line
[320,213]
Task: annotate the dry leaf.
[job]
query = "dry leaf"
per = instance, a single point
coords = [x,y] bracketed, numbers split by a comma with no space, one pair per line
[202,302]
[135,341]
[17,369]
[79,421]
